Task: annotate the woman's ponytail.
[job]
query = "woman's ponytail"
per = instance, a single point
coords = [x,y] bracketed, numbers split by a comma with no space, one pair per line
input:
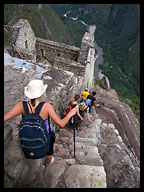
[33,102]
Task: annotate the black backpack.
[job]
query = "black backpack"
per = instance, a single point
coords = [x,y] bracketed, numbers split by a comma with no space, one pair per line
[34,138]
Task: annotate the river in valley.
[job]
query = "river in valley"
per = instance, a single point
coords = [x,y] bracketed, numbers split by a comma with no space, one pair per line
[91,28]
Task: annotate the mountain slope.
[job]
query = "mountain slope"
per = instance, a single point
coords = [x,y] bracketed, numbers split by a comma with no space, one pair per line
[44,21]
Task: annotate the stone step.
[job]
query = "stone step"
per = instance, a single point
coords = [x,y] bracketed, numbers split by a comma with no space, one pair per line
[59,175]
[86,140]
[85,153]
[86,177]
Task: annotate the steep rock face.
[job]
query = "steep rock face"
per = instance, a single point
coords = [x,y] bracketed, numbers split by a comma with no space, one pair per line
[121,115]
[121,166]
[120,140]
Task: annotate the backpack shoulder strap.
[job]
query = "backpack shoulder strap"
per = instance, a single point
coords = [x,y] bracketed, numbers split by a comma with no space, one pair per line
[39,107]
[30,106]
[26,109]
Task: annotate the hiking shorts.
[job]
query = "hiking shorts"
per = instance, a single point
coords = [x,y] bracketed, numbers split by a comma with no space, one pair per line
[52,140]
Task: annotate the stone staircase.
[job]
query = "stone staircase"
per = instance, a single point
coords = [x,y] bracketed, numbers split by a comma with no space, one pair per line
[102,160]
[86,169]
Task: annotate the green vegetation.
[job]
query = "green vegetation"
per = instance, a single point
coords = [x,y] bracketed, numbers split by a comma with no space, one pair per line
[98,82]
[119,38]
[76,29]
[57,29]
[135,108]
[41,21]
[9,19]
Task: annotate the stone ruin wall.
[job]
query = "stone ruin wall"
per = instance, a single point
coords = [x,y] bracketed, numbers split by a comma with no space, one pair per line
[87,43]
[87,58]
[23,44]
[60,55]
[21,54]
[26,38]
[49,50]
[22,41]
[69,65]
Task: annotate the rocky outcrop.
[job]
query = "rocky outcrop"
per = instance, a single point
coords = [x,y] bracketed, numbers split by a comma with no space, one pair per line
[120,140]
[121,115]
[121,166]
[104,80]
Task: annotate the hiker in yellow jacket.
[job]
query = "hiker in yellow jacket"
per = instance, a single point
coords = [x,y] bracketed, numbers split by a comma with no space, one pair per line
[84,94]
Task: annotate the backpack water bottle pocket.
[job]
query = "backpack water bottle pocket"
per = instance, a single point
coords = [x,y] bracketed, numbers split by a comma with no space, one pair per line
[35,148]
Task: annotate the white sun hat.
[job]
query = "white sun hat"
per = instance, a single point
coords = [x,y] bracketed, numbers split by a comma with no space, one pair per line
[35,89]
[86,89]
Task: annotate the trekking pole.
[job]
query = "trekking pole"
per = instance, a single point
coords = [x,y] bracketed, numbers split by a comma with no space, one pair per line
[74,134]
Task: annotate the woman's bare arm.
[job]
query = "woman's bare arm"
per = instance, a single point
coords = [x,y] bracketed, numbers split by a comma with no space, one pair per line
[16,110]
[55,117]
[88,114]
[78,112]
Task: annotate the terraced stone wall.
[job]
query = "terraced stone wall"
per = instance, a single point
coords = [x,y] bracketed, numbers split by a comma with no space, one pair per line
[48,50]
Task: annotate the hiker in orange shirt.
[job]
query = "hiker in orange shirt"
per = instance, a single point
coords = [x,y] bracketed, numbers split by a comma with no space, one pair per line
[72,104]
